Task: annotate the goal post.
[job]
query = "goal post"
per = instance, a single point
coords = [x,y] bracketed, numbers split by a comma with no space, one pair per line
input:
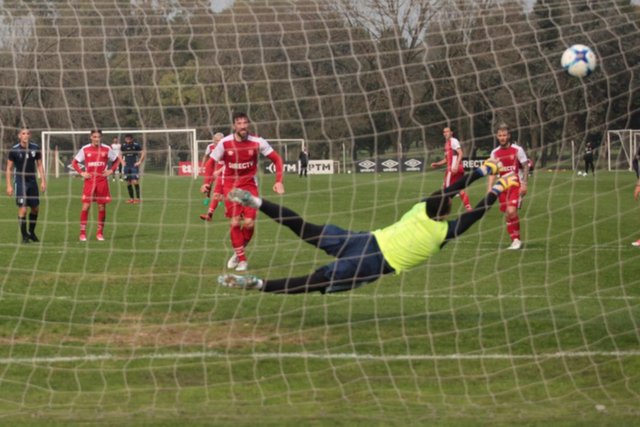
[160,140]
[622,145]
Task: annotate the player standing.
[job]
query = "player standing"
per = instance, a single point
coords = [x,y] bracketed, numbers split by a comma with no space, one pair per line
[133,156]
[24,158]
[215,196]
[513,159]
[95,157]
[239,153]
[453,159]
[117,148]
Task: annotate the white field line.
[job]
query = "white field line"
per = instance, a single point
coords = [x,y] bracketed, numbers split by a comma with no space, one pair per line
[318,356]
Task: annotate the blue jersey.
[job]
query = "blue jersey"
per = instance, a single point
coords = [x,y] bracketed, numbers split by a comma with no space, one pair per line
[131,153]
[24,161]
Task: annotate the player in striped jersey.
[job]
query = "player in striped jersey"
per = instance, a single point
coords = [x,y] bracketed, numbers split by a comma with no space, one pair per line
[453,160]
[239,152]
[95,157]
[514,160]
[363,257]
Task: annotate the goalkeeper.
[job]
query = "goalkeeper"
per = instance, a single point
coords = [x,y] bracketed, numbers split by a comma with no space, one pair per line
[363,257]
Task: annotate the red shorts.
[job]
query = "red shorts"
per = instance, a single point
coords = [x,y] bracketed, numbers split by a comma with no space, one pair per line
[236,209]
[96,191]
[451,177]
[511,197]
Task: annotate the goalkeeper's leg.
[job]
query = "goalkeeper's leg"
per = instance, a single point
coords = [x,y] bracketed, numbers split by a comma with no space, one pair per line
[305,230]
[316,281]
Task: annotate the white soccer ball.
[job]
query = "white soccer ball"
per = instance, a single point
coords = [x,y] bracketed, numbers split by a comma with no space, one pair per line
[579,60]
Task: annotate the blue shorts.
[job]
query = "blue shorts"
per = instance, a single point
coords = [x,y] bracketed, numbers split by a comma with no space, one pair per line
[27,193]
[359,259]
[131,173]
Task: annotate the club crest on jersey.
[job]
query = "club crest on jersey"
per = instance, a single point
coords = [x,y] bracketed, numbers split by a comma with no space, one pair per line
[251,152]
[33,154]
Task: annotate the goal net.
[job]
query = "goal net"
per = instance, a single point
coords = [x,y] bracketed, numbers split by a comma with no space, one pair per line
[135,329]
[167,151]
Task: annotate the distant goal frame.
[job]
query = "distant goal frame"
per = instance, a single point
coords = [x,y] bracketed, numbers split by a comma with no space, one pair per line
[629,140]
[46,139]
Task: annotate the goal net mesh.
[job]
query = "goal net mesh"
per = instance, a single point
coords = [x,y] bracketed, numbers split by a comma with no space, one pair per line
[136,329]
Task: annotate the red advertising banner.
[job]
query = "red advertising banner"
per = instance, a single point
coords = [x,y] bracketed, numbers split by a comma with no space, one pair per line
[186,169]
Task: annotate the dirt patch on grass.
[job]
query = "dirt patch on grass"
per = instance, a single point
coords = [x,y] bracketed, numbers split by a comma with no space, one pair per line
[136,331]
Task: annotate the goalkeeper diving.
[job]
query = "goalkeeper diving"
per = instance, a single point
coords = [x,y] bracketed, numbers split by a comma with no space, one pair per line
[363,257]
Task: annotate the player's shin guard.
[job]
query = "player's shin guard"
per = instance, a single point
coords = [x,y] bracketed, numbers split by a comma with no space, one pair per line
[130,190]
[465,200]
[247,234]
[22,220]
[513,227]
[237,241]
[33,220]
[137,188]
[84,216]
[102,215]
[213,204]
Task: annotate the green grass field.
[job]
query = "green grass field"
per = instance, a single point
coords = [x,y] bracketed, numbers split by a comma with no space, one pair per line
[135,329]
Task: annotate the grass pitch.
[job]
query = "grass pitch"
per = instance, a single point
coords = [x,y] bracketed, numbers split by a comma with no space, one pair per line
[135,330]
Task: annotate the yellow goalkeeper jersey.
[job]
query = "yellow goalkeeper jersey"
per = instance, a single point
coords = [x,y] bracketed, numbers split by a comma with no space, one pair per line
[412,240]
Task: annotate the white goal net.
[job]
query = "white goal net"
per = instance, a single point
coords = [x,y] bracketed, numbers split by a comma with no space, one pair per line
[135,328]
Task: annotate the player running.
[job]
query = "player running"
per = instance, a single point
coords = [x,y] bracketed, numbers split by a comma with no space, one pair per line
[214,196]
[239,153]
[95,157]
[363,257]
[24,158]
[453,160]
[133,156]
[513,159]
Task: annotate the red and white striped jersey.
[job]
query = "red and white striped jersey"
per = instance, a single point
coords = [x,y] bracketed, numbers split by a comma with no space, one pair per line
[240,158]
[512,158]
[96,159]
[451,147]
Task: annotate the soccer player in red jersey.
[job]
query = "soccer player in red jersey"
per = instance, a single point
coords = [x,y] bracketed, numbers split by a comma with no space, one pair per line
[513,159]
[215,195]
[239,153]
[95,157]
[453,161]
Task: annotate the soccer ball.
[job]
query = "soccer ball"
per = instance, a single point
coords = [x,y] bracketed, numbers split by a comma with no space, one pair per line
[579,60]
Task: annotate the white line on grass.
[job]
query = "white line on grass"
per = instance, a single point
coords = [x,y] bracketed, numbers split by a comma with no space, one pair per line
[317,356]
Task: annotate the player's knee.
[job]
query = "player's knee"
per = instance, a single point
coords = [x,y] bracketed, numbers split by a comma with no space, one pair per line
[235,221]
[248,223]
[511,213]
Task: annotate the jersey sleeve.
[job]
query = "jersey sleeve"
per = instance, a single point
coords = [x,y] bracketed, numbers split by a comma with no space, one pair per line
[522,156]
[80,156]
[217,153]
[265,147]
[455,145]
